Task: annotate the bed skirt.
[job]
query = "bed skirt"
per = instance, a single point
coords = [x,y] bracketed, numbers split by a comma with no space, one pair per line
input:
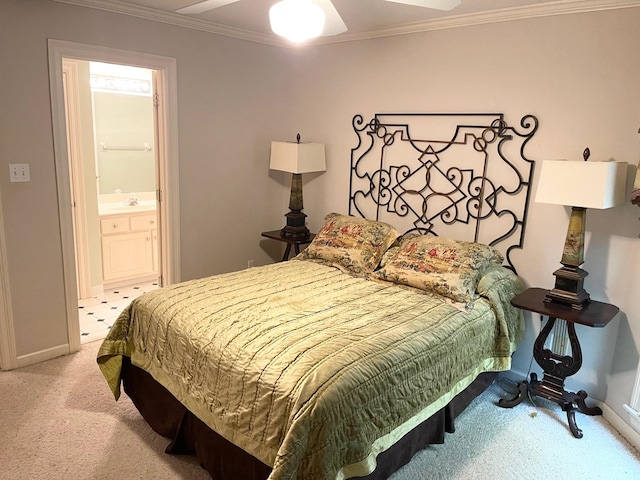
[225,461]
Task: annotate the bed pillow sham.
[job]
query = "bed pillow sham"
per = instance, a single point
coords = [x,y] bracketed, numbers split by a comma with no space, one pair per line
[450,268]
[351,243]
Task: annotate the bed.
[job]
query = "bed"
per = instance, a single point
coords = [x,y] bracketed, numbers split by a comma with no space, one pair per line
[346,360]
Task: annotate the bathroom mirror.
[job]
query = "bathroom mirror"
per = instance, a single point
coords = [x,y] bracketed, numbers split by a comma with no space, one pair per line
[123,128]
[124,136]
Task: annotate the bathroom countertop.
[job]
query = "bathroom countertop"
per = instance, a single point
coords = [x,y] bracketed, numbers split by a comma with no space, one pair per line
[121,209]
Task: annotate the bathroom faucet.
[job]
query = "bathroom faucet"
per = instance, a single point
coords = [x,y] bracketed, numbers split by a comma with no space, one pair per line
[132,200]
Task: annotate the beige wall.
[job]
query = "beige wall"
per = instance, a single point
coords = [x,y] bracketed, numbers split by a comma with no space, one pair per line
[233,100]
[578,74]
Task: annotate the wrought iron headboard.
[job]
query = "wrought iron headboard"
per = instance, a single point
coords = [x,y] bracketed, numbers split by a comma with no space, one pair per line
[462,176]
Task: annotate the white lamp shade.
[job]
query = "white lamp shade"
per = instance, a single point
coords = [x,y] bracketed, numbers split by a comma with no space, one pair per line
[582,183]
[296,20]
[297,157]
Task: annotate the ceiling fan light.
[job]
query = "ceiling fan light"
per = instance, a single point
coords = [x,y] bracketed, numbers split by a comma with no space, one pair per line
[296,20]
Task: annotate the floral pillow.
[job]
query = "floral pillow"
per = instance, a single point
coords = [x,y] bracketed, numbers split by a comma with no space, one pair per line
[450,268]
[352,243]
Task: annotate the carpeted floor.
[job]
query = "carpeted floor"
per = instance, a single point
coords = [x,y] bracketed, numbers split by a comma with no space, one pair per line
[58,420]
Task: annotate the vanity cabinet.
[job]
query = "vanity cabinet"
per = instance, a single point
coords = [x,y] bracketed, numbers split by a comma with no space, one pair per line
[129,246]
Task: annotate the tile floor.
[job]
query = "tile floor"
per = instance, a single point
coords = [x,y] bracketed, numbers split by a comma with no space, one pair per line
[97,314]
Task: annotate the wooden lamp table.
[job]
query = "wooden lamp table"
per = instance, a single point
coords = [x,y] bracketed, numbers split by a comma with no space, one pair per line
[295,241]
[558,367]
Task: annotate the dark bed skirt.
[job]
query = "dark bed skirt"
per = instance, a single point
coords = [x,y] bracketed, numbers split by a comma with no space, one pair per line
[224,461]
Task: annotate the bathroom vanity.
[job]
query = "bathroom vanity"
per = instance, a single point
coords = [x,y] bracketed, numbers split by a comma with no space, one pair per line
[129,237]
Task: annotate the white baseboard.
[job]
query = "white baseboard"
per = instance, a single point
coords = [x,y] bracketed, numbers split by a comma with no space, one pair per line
[42,355]
[617,422]
[623,427]
[97,290]
[130,281]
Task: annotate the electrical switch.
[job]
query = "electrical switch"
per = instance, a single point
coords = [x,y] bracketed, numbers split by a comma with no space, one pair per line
[19,172]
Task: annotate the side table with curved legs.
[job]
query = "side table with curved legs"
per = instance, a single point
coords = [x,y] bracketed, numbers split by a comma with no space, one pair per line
[558,367]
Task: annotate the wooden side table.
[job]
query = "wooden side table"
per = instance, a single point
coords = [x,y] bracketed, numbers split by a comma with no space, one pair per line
[295,241]
[557,367]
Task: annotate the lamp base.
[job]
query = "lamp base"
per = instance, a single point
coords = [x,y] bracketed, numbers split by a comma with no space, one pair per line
[569,287]
[296,225]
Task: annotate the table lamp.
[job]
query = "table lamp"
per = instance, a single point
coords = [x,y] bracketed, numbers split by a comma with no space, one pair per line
[297,158]
[580,185]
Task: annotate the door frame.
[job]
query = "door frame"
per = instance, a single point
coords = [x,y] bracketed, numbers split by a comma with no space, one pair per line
[168,194]
[76,170]
[8,356]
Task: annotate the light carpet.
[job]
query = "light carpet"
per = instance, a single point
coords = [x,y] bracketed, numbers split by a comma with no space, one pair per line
[58,420]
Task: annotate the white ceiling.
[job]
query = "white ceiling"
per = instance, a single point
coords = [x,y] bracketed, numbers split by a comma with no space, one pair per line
[249,19]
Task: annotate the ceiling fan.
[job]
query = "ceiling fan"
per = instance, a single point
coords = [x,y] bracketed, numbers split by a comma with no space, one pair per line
[333,23]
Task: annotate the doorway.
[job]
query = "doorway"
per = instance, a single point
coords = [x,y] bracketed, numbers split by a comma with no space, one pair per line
[113,163]
[113,159]
[165,195]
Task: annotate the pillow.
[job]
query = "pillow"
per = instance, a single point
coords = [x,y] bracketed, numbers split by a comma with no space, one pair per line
[450,268]
[391,251]
[352,243]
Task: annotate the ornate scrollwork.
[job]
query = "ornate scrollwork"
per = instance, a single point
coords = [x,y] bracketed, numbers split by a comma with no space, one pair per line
[460,175]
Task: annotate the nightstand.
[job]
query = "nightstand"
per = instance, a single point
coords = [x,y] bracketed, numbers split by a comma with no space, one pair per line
[295,241]
[557,367]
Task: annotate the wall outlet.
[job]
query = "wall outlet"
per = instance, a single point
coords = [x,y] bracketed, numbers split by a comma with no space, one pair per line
[19,172]
[250,264]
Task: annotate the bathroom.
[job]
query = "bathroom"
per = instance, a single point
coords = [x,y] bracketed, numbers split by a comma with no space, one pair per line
[113,172]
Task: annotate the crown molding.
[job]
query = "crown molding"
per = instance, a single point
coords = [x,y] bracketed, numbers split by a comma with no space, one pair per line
[146,13]
[563,7]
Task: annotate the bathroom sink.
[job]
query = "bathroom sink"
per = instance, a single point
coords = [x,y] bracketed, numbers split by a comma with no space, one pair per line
[112,209]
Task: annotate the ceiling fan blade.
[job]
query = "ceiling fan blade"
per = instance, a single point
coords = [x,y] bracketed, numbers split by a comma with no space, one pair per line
[435,4]
[333,24]
[204,6]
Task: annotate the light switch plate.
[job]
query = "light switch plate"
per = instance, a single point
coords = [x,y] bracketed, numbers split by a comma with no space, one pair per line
[19,172]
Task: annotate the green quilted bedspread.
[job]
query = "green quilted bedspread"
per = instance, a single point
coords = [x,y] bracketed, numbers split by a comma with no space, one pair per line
[307,368]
